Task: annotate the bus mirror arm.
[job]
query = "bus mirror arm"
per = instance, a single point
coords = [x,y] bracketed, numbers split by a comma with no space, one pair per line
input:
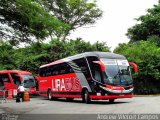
[135,66]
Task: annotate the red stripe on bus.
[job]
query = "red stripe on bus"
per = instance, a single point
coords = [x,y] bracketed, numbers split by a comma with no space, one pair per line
[66,96]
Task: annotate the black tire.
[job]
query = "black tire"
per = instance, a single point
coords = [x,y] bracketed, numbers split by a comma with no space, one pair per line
[49,95]
[85,97]
[111,101]
[69,99]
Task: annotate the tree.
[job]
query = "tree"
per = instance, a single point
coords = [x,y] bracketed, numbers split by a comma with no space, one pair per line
[76,13]
[146,55]
[101,46]
[148,26]
[25,20]
[6,56]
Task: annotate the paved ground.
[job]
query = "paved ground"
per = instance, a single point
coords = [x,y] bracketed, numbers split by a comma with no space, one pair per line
[1,111]
[136,105]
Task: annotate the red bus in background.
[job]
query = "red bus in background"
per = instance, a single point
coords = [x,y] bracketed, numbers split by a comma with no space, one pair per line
[11,79]
[90,75]
[2,87]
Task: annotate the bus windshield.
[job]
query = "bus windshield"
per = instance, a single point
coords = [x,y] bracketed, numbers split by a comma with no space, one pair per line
[117,72]
[28,81]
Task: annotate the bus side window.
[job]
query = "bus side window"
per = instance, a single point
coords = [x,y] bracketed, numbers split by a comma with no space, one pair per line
[69,69]
[55,70]
[49,71]
[42,72]
[82,64]
[5,77]
[59,69]
[64,68]
[16,79]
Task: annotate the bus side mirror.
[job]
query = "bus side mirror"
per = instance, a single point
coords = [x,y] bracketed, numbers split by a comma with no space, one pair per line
[135,66]
[100,64]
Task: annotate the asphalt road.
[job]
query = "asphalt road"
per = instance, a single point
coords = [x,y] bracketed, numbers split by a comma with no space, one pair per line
[42,107]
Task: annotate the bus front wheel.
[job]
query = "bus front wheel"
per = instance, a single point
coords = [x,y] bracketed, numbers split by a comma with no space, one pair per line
[85,97]
[111,100]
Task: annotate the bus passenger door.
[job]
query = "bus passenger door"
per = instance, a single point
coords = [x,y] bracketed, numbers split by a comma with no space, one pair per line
[7,81]
[97,76]
[96,72]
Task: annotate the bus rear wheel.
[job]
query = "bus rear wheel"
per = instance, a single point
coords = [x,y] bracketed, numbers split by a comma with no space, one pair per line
[111,100]
[85,97]
[49,94]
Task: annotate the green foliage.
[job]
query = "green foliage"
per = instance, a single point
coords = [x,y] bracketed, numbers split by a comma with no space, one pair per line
[25,19]
[148,26]
[35,20]
[76,13]
[146,55]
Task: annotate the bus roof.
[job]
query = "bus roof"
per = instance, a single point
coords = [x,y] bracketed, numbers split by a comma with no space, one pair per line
[107,55]
[15,71]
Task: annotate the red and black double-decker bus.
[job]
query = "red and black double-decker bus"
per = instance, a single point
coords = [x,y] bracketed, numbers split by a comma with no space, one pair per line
[90,75]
